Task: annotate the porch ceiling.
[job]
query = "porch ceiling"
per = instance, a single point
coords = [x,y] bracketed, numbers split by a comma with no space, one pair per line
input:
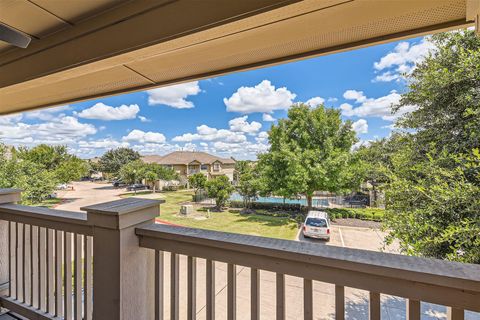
[87,49]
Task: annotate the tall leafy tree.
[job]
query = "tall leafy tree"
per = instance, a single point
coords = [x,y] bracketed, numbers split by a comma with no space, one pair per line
[49,157]
[113,160]
[219,189]
[197,181]
[249,184]
[73,168]
[433,194]
[310,151]
[133,171]
[445,88]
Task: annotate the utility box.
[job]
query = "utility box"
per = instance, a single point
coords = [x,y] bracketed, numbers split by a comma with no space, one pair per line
[186,209]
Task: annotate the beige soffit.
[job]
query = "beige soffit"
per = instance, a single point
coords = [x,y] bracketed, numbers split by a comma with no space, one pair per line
[88,49]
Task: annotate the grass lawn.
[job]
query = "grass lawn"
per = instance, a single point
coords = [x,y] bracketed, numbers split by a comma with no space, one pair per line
[49,203]
[233,221]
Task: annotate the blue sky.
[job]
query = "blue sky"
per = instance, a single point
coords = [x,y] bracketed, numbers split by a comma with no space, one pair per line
[229,115]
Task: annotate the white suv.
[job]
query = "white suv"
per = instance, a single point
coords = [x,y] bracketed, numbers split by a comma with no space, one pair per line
[317,225]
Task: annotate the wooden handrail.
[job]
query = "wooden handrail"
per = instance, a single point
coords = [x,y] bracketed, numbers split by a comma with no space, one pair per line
[421,279]
[69,221]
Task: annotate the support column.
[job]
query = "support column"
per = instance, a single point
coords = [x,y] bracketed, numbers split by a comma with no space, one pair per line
[123,272]
[6,196]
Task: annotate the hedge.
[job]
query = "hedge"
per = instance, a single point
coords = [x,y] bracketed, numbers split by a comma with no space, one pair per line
[269,206]
[299,211]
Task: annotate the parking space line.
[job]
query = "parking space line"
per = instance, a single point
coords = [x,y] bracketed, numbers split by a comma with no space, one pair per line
[341,236]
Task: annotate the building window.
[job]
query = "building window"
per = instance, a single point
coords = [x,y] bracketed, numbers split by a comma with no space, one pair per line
[216,166]
[204,167]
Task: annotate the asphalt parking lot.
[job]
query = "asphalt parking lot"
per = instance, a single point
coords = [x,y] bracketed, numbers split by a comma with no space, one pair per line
[354,237]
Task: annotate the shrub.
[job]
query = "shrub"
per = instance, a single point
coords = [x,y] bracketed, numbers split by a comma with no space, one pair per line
[367,216]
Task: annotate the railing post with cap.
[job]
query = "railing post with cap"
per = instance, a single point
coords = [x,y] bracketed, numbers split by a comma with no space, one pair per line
[6,196]
[123,272]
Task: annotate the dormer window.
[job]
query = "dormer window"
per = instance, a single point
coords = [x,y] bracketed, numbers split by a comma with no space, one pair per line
[216,166]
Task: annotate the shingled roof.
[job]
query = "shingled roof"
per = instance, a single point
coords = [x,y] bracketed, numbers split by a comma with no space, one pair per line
[186,157]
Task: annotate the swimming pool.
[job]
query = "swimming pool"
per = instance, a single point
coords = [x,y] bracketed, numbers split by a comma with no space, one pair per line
[315,202]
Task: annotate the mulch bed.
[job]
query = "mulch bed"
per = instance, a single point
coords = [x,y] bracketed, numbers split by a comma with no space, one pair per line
[348,222]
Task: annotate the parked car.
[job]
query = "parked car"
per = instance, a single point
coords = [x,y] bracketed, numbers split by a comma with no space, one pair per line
[317,225]
[137,186]
[118,184]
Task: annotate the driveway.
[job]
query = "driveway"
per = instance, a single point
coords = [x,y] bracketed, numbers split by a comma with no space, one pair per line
[86,193]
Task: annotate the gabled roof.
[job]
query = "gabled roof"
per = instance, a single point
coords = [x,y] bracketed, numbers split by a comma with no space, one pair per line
[186,157]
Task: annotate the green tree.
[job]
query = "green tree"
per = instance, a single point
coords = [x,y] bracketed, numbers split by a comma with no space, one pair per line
[197,181]
[433,193]
[132,172]
[445,90]
[434,210]
[220,189]
[309,151]
[71,169]
[248,185]
[113,160]
[162,172]
[152,177]
[48,157]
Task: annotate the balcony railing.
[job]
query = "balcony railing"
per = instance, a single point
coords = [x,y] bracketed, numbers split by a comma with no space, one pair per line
[142,270]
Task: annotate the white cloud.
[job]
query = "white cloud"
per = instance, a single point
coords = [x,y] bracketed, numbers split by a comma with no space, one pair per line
[106,143]
[262,137]
[144,119]
[358,96]
[360,126]
[142,136]
[46,114]
[332,99]
[379,107]
[402,60]
[241,124]
[61,130]
[101,111]
[206,133]
[174,96]
[11,119]
[313,102]
[268,117]
[244,150]
[261,98]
